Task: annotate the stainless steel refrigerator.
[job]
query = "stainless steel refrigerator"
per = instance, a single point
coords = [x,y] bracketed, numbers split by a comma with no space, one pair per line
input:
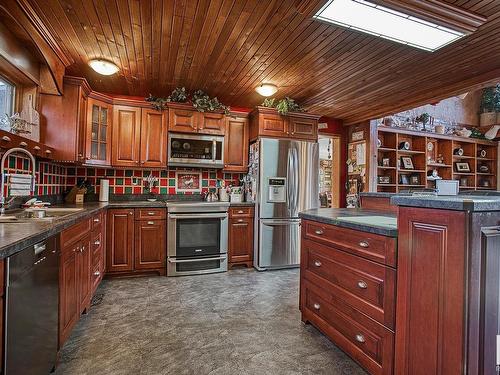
[284,180]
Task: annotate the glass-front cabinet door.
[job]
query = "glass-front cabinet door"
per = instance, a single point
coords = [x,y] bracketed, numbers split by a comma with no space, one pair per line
[98,140]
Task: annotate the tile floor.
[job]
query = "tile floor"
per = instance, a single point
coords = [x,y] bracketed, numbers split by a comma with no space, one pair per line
[240,322]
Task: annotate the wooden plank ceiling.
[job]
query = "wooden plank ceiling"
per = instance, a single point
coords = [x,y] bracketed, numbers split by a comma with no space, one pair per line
[228,47]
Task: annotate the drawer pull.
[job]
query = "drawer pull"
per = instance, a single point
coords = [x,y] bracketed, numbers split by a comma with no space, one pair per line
[360,338]
[96,220]
[319,231]
[364,244]
[97,242]
[362,284]
[317,306]
[151,213]
[317,263]
[151,223]
[240,220]
[97,273]
[240,211]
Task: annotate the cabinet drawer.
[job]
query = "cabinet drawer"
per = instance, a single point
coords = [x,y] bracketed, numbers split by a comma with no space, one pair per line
[97,220]
[75,233]
[375,247]
[241,211]
[150,213]
[363,284]
[366,341]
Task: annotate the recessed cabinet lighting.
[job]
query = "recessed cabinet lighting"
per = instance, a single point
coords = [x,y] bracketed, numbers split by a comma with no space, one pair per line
[267,89]
[387,23]
[103,67]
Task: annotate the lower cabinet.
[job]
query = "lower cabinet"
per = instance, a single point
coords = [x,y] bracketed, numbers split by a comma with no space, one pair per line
[349,294]
[77,281]
[240,238]
[136,241]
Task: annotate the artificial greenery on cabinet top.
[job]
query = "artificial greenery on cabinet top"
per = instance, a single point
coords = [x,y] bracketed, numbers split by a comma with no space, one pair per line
[199,99]
[490,100]
[283,106]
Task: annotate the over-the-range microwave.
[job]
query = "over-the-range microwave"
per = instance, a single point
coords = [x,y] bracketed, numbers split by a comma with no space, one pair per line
[195,150]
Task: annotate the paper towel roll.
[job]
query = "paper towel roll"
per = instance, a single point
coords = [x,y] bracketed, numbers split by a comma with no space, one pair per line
[104,191]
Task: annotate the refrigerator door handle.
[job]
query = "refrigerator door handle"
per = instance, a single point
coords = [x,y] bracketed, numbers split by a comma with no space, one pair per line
[289,173]
[295,187]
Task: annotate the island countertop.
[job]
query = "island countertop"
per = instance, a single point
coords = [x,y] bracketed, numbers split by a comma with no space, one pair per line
[470,203]
[371,221]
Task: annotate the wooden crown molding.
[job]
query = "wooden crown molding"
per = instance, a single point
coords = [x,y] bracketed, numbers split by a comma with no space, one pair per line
[439,12]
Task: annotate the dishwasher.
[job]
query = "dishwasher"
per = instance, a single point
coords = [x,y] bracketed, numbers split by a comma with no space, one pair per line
[32,297]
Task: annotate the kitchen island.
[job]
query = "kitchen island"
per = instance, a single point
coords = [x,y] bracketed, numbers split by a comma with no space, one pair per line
[442,314]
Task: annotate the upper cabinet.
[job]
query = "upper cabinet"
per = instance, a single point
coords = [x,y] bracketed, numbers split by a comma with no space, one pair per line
[236,143]
[98,133]
[183,118]
[139,137]
[267,122]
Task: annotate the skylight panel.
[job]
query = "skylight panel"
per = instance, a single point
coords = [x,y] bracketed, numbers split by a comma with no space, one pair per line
[387,23]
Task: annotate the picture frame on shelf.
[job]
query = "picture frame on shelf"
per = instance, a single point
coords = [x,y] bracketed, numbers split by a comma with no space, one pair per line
[415,179]
[462,167]
[407,162]
[404,180]
[386,162]
[384,180]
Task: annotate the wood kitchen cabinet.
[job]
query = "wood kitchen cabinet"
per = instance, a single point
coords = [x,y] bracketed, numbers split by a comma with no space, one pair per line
[120,240]
[267,122]
[136,241]
[236,144]
[98,133]
[63,121]
[75,289]
[183,118]
[139,137]
[150,245]
[240,238]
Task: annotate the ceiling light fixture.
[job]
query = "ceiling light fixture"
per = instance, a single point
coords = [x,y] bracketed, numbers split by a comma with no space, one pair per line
[387,23]
[267,89]
[103,67]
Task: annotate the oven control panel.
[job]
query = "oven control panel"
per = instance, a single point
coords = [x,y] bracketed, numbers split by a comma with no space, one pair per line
[276,190]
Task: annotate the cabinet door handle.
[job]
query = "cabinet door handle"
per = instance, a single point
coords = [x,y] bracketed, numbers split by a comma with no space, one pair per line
[97,243]
[360,338]
[151,213]
[317,306]
[97,273]
[96,220]
[151,223]
[319,231]
[362,284]
[364,244]
[317,263]
[130,213]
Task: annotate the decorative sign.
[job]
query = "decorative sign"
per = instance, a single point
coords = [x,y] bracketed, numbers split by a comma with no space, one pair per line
[358,136]
[188,182]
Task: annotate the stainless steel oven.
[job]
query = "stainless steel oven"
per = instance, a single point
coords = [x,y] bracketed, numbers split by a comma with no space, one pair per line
[196,238]
[196,150]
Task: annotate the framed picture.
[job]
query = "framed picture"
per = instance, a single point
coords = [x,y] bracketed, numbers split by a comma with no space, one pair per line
[415,179]
[462,166]
[188,182]
[404,180]
[407,162]
[384,180]
[386,162]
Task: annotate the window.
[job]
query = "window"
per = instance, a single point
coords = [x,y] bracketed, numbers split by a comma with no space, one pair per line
[6,97]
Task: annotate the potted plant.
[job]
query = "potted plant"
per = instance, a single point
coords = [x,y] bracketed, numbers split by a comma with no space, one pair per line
[490,106]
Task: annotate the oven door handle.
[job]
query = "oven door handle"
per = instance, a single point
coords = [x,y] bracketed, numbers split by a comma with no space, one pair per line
[222,215]
[196,260]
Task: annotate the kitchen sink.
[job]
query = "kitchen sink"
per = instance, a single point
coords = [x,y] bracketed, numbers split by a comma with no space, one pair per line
[31,214]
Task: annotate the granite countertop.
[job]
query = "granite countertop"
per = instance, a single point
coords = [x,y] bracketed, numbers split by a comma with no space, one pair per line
[17,236]
[376,222]
[456,202]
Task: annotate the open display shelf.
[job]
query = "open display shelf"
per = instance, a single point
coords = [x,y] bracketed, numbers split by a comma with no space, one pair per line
[474,166]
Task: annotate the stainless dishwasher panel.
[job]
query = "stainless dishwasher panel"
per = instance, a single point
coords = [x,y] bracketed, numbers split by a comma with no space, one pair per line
[32,296]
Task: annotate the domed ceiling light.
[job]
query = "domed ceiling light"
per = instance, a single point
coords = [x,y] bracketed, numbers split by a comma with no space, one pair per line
[103,67]
[267,89]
